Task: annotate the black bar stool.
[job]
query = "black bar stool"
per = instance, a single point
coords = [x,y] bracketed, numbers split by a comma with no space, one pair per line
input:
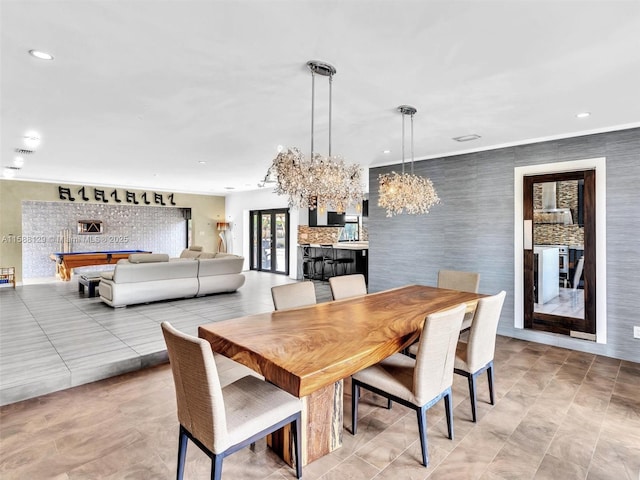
[309,261]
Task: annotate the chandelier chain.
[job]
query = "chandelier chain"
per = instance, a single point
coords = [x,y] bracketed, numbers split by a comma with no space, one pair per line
[403,143]
[330,104]
[412,144]
[313,105]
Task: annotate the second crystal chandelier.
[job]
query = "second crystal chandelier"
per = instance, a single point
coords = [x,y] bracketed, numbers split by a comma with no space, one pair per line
[406,192]
[324,182]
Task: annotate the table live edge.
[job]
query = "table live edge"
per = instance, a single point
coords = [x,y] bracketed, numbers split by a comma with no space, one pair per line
[309,351]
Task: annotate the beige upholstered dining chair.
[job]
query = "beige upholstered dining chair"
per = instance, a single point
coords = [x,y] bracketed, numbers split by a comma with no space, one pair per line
[421,382]
[221,421]
[455,280]
[476,355]
[347,286]
[293,295]
[463,281]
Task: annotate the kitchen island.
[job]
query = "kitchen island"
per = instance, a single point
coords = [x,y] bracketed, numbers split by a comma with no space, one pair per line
[319,262]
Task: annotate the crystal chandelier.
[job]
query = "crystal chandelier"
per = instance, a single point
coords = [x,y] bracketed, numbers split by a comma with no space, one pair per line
[405,192]
[324,182]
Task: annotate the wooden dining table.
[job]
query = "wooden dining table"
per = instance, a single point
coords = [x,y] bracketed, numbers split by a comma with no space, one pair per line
[308,351]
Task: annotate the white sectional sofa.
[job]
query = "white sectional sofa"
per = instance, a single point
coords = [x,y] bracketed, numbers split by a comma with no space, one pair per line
[149,277]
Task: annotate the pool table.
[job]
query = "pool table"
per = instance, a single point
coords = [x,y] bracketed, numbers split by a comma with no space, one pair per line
[66,262]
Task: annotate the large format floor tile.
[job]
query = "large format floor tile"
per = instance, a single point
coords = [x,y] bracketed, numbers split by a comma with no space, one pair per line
[558,413]
[126,427]
[53,337]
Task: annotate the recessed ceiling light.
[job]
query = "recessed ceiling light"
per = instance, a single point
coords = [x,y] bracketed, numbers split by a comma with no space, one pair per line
[466,138]
[229,188]
[10,172]
[386,151]
[18,162]
[280,148]
[202,162]
[31,140]
[41,55]
[583,114]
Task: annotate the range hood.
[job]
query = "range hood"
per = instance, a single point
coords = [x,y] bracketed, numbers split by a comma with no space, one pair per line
[549,213]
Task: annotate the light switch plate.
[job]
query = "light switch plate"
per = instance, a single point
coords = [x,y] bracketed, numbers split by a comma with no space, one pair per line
[636,332]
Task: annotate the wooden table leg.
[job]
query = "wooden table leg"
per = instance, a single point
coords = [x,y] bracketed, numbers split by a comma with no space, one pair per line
[63,273]
[322,425]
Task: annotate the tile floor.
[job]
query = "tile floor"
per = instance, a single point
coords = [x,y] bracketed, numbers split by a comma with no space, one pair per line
[567,304]
[52,337]
[558,413]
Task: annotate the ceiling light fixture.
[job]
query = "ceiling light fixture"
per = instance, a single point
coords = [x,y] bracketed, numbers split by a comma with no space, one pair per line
[319,181]
[386,152]
[10,172]
[41,55]
[406,192]
[31,140]
[467,138]
[23,151]
[583,114]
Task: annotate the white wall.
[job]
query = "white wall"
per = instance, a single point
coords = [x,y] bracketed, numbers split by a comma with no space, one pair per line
[237,208]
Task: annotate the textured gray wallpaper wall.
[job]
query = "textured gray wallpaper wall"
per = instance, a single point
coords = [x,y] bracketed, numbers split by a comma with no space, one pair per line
[473,229]
[125,227]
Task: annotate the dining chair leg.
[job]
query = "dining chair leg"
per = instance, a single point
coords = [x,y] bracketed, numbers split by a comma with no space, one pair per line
[449,413]
[355,397]
[216,467]
[422,428]
[297,442]
[472,395]
[490,378]
[182,452]
[389,404]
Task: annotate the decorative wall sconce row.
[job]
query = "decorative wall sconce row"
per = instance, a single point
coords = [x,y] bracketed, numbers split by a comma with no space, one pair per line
[100,195]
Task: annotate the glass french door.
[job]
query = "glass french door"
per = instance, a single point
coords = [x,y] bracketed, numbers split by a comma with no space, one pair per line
[270,240]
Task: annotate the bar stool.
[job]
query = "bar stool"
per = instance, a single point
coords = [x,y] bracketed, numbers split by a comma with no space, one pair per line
[335,261]
[346,263]
[328,259]
[309,259]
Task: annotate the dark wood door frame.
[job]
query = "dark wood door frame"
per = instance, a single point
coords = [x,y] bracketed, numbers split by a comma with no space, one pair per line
[555,323]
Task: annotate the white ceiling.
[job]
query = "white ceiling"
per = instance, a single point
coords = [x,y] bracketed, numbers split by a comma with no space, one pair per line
[140,91]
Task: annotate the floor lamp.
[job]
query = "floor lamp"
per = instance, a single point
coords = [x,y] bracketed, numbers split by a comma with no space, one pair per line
[222,227]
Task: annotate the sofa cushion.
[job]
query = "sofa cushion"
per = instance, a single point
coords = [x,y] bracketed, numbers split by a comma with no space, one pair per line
[189,254]
[148,257]
[107,275]
[208,255]
[192,252]
[152,271]
[220,265]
